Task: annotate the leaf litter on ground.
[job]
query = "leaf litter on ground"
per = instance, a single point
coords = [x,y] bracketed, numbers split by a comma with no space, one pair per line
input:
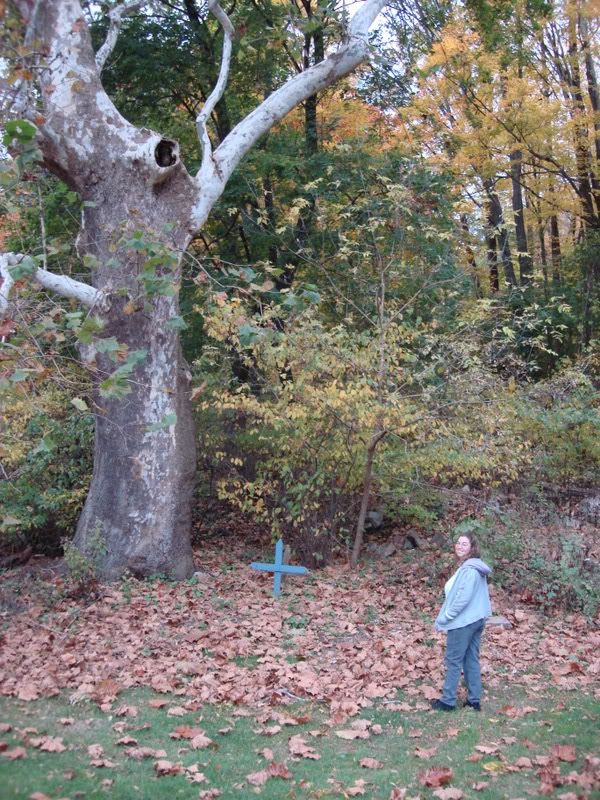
[226,640]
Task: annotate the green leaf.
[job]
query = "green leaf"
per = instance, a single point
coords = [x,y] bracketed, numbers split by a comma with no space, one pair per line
[20,375]
[89,328]
[248,334]
[177,323]
[136,357]
[311,296]
[27,266]
[46,445]
[20,129]
[73,319]
[109,345]
[115,386]
[165,422]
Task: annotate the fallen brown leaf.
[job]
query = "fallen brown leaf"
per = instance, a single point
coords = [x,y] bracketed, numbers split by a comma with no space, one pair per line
[258,778]
[51,744]
[28,691]
[524,763]
[157,702]
[269,730]
[474,757]
[138,753]
[298,747]
[422,752]
[164,767]
[185,732]
[436,776]
[565,752]
[15,753]
[279,770]
[349,734]
[200,741]
[357,789]
[448,794]
[370,763]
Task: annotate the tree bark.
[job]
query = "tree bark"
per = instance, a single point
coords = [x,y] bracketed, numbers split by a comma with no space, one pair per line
[497,229]
[523,256]
[594,95]
[140,497]
[366,495]
[470,255]
[139,503]
[555,251]
[583,157]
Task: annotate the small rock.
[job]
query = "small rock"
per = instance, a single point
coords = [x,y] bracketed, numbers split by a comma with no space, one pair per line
[374,520]
[412,542]
[438,540]
[381,550]
[589,510]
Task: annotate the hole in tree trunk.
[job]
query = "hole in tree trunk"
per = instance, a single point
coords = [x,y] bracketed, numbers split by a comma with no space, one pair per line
[165,153]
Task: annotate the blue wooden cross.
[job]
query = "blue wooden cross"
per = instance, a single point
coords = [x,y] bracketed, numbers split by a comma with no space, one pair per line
[278,568]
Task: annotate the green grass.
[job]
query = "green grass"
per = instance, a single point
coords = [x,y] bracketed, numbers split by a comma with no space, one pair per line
[561,718]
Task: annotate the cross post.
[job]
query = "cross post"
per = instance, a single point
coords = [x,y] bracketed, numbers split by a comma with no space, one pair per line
[278,568]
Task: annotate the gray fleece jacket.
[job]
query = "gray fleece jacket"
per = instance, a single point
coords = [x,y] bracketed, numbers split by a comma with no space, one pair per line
[468,598]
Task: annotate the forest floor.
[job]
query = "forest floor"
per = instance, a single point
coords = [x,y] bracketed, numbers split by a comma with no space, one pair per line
[213,688]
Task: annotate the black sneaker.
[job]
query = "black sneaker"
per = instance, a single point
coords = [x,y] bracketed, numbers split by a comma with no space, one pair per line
[438,705]
[475,706]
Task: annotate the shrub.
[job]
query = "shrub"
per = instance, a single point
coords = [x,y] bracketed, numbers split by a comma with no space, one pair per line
[48,458]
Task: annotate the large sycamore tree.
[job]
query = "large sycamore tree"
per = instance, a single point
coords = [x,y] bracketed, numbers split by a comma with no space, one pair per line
[141,209]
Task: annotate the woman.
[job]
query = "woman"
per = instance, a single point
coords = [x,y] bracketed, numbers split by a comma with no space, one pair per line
[463,615]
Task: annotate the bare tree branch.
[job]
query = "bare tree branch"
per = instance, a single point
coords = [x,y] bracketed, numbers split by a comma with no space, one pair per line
[61,284]
[217,92]
[242,138]
[115,16]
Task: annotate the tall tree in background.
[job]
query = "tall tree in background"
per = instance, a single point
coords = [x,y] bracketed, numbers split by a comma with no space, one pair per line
[507,100]
[141,210]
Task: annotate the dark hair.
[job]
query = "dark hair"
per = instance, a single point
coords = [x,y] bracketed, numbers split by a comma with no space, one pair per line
[474,551]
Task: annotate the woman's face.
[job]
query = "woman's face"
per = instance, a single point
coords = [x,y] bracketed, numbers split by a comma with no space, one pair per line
[462,548]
